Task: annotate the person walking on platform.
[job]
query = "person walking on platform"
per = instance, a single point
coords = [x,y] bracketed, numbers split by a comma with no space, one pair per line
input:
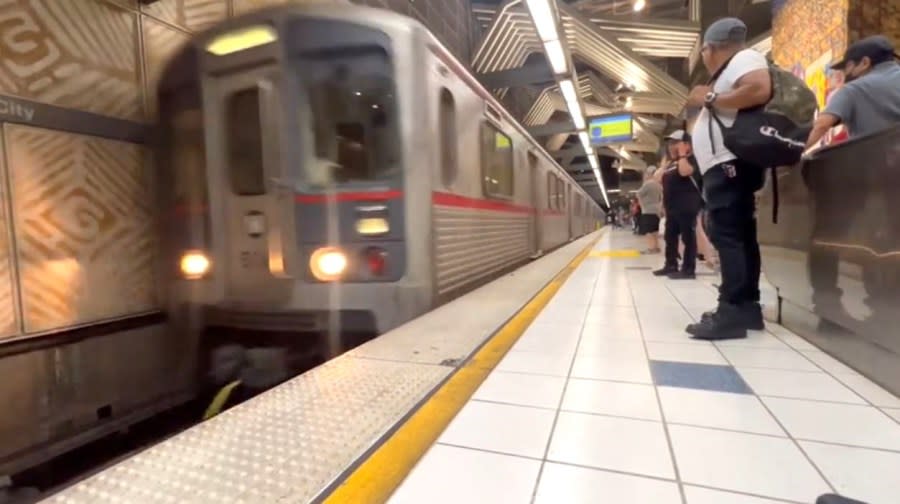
[869,102]
[682,202]
[650,200]
[741,80]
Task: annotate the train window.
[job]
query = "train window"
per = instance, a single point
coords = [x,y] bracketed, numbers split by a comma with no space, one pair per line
[245,145]
[550,191]
[496,162]
[354,116]
[447,125]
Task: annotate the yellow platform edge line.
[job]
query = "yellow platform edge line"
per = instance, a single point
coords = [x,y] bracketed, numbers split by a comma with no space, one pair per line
[616,253]
[376,479]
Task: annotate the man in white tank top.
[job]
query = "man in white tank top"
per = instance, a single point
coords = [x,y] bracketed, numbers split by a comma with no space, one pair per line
[741,80]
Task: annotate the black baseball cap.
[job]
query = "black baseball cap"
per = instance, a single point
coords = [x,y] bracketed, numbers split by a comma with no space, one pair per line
[877,48]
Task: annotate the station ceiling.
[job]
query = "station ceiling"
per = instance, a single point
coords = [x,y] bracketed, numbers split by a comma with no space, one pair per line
[623,60]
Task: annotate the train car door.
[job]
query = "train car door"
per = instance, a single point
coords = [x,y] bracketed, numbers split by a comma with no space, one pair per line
[534,172]
[255,236]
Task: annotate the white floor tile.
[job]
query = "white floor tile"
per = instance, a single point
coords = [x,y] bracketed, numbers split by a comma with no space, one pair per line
[522,389]
[836,423]
[561,314]
[679,352]
[536,363]
[870,391]
[698,495]
[624,330]
[619,444]
[765,358]
[895,413]
[739,412]
[577,485]
[791,339]
[828,363]
[450,475]
[633,369]
[755,339]
[550,338]
[866,475]
[619,316]
[761,465]
[501,428]
[611,398]
[798,385]
[592,344]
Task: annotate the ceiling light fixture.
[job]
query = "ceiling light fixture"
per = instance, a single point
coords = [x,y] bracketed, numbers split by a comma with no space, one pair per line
[639,5]
[544,20]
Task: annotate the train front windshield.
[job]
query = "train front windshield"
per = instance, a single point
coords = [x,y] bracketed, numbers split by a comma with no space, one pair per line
[353,113]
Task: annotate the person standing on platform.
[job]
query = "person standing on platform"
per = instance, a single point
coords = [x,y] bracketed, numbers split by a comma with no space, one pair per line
[650,200]
[741,80]
[682,202]
[869,102]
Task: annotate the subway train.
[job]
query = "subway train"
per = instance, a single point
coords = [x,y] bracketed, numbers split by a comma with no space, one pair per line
[335,166]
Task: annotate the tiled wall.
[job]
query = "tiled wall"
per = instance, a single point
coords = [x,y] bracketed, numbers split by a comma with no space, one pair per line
[870,17]
[804,30]
[76,232]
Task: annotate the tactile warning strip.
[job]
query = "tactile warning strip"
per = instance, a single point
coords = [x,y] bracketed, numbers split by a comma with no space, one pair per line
[285,446]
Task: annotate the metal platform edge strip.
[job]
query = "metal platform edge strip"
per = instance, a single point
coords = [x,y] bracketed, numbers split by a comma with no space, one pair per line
[376,475]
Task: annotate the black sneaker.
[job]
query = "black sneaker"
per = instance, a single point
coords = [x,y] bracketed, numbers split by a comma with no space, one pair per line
[665,271]
[682,275]
[727,323]
[752,314]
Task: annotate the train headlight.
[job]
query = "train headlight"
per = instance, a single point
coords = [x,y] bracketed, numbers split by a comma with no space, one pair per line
[194,265]
[369,226]
[328,264]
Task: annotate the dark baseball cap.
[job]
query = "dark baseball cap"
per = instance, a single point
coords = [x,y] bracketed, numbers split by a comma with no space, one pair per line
[877,48]
[726,31]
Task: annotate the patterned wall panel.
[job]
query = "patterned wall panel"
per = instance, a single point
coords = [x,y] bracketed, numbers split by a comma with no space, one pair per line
[8,319]
[83,224]
[193,15]
[72,53]
[245,6]
[804,30]
[160,44]
[871,17]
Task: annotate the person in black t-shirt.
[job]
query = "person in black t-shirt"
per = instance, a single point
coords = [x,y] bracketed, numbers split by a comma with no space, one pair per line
[682,202]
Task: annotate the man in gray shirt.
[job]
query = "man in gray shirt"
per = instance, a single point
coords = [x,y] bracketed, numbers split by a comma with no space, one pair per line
[870,100]
[650,196]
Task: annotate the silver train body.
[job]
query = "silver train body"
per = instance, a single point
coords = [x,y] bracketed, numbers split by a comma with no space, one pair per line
[438,190]
[323,145]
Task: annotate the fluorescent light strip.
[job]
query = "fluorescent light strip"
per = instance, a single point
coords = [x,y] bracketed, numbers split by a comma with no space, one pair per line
[543,18]
[568,91]
[556,56]
[585,141]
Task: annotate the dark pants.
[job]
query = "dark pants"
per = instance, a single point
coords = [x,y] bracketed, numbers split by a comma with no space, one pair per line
[685,226]
[729,189]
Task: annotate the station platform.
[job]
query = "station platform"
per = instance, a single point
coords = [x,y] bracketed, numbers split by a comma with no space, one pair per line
[570,380]
[606,399]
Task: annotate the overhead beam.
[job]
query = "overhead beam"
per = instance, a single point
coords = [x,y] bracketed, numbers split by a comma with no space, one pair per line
[552,128]
[535,73]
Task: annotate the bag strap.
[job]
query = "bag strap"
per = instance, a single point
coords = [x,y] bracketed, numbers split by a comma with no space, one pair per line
[712,80]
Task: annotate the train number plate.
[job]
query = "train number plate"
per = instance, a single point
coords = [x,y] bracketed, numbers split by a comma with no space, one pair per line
[253,260]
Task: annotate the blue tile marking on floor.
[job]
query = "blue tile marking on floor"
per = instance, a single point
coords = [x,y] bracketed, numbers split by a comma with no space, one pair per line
[698,376]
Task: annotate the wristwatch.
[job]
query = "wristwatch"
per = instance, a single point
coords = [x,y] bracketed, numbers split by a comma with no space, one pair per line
[710,98]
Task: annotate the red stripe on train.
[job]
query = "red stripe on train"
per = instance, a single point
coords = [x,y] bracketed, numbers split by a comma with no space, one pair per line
[457,201]
[350,196]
